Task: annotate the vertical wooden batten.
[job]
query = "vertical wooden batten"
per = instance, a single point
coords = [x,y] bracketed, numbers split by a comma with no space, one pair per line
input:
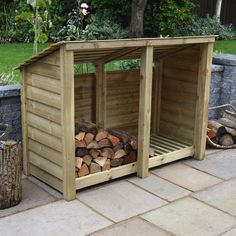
[25,140]
[156,106]
[68,122]
[203,88]
[144,111]
[101,95]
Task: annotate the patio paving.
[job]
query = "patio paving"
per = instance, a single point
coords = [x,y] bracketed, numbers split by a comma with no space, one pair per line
[160,187]
[221,164]
[188,197]
[221,196]
[120,200]
[186,176]
[191,217]
[129,228]
[32,196]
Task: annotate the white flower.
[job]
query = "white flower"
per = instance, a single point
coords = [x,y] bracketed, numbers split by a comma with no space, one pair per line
[84,5]
[84,11]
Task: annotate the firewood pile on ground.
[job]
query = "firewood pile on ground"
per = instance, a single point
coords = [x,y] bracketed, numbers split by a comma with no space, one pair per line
[221,133]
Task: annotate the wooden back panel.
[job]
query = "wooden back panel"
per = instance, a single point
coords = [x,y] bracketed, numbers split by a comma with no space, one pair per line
[122,99]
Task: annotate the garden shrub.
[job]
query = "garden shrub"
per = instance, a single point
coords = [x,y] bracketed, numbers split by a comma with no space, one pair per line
[167,17]
[102,28]
[208,26]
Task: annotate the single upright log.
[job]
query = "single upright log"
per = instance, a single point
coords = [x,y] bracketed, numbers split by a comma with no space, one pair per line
[10,174]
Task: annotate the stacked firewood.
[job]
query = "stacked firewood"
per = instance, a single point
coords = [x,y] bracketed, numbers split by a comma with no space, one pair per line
[99,150]
[222,132]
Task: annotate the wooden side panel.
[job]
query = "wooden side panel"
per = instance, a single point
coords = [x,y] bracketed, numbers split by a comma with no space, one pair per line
[43,120]
[179,95]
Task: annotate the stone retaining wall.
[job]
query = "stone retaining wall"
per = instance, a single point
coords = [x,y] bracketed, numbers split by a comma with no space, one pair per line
[223,82]
[10,109]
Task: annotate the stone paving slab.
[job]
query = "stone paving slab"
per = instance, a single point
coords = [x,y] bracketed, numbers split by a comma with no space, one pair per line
[186,176]
[46,187]
[32,196]
[221,196]
[120,200]
[60,218]
[133,227]
[189,216]
[232,232]
[220,164]
[160,187]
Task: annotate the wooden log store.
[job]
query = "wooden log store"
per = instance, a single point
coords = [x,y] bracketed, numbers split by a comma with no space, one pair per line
[164,104]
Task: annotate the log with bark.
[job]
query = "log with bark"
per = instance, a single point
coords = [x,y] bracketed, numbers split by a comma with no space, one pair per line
[10,174]
[101,149]
[98,150]
[220,133]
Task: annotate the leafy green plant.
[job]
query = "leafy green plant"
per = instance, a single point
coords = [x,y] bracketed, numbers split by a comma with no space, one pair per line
[208,26]
[128,64]
[173,15]
[6,78]
[102,28]
[38,20]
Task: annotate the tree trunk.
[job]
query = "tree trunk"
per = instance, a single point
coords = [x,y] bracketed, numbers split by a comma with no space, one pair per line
[136,27]
[218,9]
[10,174]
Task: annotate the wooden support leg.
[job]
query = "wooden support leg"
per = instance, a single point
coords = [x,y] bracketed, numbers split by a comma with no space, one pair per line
[68,123]
[201,117]
[144,111]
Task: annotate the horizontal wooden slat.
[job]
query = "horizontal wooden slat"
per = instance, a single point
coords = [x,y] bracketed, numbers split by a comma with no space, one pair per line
[53,59]
[178,119]
[168,142]
[44,97]
[44,138]
[45,165]
[44,124]
[184,87]
[45,69]
[46,177]
[181,75]
[44,82]
[48,153]
[45,111]
[177,132]
[186,109]
[105,175]
[171,156]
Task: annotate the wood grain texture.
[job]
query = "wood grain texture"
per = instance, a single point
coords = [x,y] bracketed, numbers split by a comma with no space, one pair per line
[203,90]
[144,119]
[68,122]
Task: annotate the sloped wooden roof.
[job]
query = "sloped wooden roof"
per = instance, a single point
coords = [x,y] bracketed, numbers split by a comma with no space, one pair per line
[107,50]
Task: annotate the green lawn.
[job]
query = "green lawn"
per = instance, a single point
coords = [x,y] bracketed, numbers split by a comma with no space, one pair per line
[225,46]
[11,55]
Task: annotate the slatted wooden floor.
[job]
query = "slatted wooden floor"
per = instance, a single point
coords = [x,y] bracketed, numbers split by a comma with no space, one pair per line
[167,150]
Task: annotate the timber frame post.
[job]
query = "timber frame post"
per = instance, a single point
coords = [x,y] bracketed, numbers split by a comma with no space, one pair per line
[101,94]
[68,122]
[144,121]
[203,88]
[26,168]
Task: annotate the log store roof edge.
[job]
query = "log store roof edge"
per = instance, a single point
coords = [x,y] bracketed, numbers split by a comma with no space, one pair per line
[107,50]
